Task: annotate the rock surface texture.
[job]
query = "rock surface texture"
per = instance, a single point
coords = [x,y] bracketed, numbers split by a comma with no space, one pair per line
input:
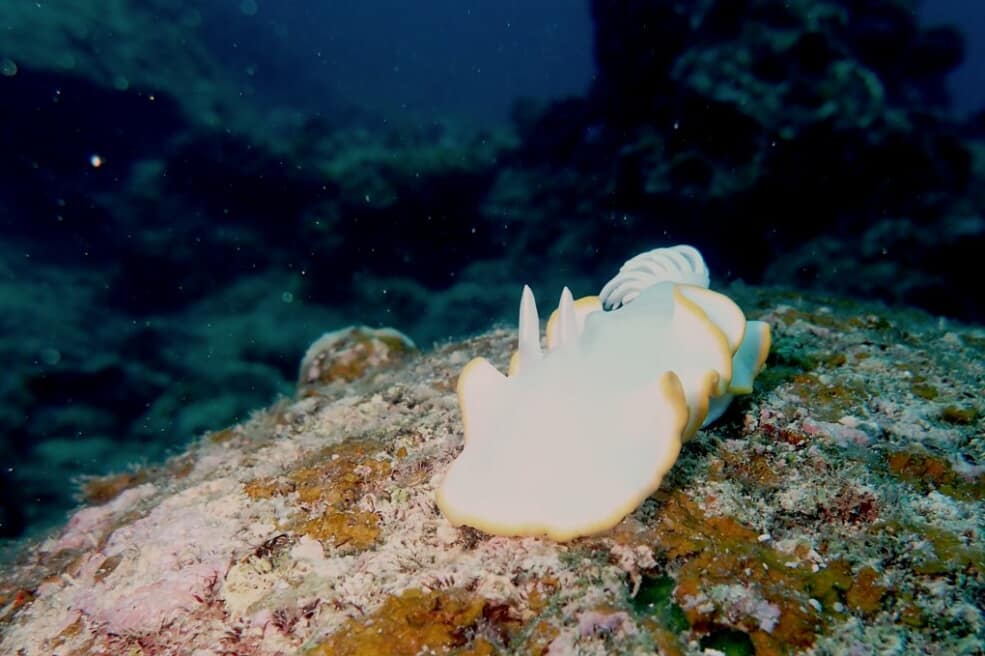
[838,508]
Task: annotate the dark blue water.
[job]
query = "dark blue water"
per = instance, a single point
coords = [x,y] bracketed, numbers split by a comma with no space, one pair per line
[468,59]
[442,58]
[302,54]
[967,82]
[190,193]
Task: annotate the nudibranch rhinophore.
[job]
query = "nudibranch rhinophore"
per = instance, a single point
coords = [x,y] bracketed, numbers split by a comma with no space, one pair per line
[574,439]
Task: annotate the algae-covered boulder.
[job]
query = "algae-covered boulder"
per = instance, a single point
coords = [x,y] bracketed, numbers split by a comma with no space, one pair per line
[839,507]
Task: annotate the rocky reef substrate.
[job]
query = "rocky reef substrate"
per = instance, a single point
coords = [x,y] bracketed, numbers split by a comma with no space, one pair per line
[839,508]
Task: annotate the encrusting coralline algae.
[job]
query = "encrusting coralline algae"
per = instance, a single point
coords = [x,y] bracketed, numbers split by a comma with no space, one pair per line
[838,509]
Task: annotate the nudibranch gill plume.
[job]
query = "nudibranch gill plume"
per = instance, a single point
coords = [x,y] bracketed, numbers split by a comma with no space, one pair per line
[575,438]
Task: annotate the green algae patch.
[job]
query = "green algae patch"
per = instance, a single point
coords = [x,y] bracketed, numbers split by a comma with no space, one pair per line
[655,599]
[924,391]
[830,401]
[949,553]
[962,416]
[775,374]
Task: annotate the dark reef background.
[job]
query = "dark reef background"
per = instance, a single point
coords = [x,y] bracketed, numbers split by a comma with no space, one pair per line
[190,192]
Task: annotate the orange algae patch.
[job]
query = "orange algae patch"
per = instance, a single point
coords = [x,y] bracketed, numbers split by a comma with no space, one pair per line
[449,621]
[540,637]
[267,488]
[107,567]
[539,592]
[712,552]
[328,491]
[222,436]
[412,623]
[755,469]
[926,472]
[865,595]
[73,629]
[344,474]
[919,468]
[103,489]
[70,632]
[354,530]
[98,490]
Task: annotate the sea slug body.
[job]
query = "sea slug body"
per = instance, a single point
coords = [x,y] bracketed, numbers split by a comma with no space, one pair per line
[575,438]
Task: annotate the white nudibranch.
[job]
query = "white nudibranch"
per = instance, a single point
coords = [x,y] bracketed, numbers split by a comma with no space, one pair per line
[575,438]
